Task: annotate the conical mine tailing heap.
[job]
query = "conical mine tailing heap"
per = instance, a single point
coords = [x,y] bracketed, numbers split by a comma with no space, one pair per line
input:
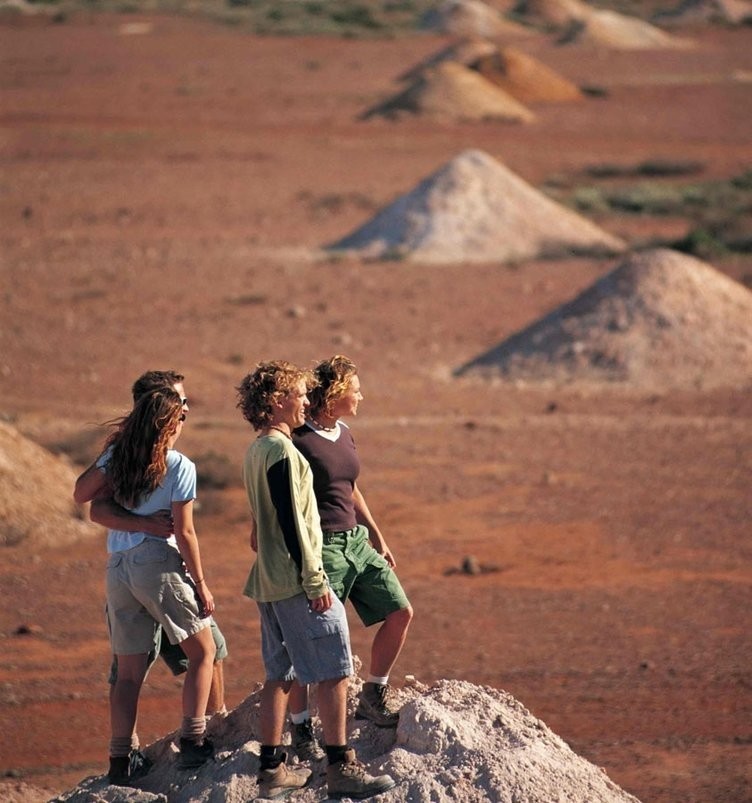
[474,209]
[659,320]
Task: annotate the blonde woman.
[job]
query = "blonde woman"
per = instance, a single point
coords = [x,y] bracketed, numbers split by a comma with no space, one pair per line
[154,581]
[357,560]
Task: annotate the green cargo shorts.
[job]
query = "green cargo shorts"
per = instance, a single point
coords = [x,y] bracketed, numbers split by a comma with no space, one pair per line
[357,572]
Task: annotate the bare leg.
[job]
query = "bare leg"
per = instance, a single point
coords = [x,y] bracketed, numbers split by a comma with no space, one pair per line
[332,698]
[124,694]
[389,640]
[216,701]
[298,700]
[273,709]
[200,650]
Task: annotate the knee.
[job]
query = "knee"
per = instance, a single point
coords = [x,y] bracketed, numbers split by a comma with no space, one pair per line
[402,617]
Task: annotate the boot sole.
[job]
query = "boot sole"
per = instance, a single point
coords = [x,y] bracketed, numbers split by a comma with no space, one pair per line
[361,716]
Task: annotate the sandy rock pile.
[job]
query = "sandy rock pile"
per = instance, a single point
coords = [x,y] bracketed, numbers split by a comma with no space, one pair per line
[579,23]
[474,209]
[526,79]
[659,320]
[552,13]
[609,29]
[452,92]
[36,495]
[693,12]
[455,742]
[521,76]
[465,51]
[469,18]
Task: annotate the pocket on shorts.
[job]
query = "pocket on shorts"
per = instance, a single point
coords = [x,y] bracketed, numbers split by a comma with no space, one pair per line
[322,626]
[113,560]
[151,551]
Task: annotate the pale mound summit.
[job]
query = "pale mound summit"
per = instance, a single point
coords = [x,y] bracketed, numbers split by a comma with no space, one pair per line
[451,91]
[455,742]
[660,320]
[552,13]
[609,29]
[470,18]
[36,495]
[525,78]
[474,209]
[579,23]
[518,74]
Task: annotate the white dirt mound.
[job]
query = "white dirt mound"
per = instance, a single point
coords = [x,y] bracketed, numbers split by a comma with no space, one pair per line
[36,488]
[474,209]
[451,92]
[455,742]
[659,320]
[610,29]
[469,18]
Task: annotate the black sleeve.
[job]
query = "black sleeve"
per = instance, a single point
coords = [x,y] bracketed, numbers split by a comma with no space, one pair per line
[280,489]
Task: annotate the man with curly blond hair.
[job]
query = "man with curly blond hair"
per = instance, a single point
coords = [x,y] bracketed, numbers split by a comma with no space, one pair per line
[304,632]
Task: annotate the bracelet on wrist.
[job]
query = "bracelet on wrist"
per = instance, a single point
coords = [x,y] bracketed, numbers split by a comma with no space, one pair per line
[198,582]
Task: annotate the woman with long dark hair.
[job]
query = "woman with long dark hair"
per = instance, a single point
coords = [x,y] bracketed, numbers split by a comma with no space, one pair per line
[155,581]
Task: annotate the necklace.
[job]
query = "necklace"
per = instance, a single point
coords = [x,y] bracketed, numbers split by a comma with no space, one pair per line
[279,429]
[322,427]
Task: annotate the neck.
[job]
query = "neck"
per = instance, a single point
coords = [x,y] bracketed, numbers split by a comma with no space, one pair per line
[324,422]
[283,428]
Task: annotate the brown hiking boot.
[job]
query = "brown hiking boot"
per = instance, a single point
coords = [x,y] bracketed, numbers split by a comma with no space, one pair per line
[349,778]
[304,743]
[372,705]
[282,780]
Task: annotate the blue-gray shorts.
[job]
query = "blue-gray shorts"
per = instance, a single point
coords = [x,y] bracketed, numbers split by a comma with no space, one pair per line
[357,572]
[297,642]
[148,584]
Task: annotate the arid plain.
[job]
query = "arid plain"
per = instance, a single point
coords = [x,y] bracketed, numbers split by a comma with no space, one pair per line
[163,187]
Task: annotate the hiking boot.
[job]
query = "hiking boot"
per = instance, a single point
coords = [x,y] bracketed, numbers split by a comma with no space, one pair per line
[139,765]
[304,743]
[281,781]
[119,772]
[372,706]
[349,778]
[194,754]
[126,769]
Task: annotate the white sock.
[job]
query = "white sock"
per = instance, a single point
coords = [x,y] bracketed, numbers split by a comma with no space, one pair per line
[297,719]
[381,681]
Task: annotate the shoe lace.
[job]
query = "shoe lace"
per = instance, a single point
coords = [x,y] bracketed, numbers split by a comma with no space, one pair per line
[354,769]
[382,695]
